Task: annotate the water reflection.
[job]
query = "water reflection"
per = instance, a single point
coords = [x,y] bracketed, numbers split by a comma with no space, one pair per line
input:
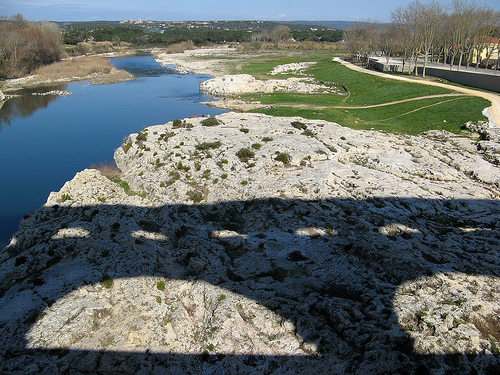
[26,102]
[141,65]
[50,143]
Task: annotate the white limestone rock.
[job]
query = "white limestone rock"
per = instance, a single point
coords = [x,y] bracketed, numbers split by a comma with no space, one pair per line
[296,68]
[233,85]
[356,252]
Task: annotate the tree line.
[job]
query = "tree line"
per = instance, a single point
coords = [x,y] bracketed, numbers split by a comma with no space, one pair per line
[24,46]
[455,34]
[141,37]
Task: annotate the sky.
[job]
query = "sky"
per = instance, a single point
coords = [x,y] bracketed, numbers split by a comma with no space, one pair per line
[207,10]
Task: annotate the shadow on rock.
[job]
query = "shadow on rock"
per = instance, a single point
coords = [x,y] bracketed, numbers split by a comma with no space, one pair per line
[383,285]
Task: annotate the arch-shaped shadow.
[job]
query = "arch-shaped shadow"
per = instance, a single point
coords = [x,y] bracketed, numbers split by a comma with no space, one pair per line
[337,269]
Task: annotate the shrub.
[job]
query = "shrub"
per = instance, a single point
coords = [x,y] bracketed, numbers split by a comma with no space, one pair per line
[179,165]
[267,139]
[160,285]
[125,187]
[309,133]
[244,130]
[211,121]
[126,147]
[220,163]
[158,163]
[299,125]
[177,123]
[65,197]
[208,145]
[195,196]
[107,283]
[494,348]
[141,137]
[108,169]
[245,154]
[256,146]
[283,157]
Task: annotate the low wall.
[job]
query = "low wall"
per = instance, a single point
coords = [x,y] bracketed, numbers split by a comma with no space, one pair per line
[479,80]
[383,67]
[474,79]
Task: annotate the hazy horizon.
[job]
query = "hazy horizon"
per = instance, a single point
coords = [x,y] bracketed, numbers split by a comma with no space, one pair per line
[216,10]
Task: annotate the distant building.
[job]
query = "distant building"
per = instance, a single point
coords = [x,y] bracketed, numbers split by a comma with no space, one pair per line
[487,52]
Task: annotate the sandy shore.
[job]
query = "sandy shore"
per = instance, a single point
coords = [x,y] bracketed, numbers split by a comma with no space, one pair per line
[189,60]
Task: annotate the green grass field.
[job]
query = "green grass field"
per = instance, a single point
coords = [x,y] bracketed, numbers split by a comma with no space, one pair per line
[448,113]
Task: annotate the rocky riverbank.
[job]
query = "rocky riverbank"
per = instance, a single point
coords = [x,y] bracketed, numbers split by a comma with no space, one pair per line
[239,84]
[201,60]
[252,244]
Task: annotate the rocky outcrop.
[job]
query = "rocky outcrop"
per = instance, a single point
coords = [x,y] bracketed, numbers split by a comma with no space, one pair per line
[296,68]
[324,160]
[489,140]
[254,244]
[232,85]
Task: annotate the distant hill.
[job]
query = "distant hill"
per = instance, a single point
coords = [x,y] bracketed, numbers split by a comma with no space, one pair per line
[339,25]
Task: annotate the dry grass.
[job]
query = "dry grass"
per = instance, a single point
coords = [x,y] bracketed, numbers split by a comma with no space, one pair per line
[75,67]
[180,47]
[115,76]
[108,169]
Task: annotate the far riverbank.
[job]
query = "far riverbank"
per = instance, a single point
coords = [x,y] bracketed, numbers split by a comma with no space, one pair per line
[96,69]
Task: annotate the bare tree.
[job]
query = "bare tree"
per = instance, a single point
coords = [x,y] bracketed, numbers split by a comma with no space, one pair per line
[282,33]
[406,21]
[429,17]
[422,21]
[356,41]
[389,41]
[362,38]
[24,46]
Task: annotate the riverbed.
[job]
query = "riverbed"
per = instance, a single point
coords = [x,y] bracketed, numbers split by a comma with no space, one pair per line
[46,139]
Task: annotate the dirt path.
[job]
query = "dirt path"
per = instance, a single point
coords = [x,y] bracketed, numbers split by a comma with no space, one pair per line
[397,101]
[314,106]
[235,104]
[493,111]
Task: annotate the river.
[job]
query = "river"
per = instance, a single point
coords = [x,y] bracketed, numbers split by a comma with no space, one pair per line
[46,140]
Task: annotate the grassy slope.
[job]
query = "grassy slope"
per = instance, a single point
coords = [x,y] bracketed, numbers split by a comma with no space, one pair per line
[365,89]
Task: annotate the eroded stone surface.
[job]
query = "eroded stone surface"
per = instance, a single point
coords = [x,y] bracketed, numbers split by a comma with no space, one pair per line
[359,252]
[239,84]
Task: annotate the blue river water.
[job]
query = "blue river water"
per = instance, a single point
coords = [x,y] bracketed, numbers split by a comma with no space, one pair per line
[46,140]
